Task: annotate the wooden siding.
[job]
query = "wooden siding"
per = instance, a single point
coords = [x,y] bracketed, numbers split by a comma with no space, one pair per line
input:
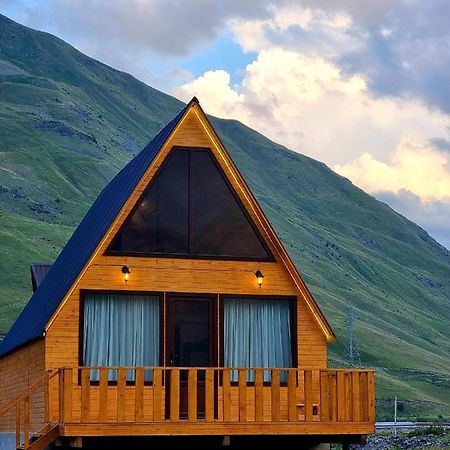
[19,370]
[150,274]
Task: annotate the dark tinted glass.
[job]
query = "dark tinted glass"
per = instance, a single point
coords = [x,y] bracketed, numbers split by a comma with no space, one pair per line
[219,225]
[160,223]
[189,209]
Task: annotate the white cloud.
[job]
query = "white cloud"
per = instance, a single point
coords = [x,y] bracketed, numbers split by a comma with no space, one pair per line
[416,167]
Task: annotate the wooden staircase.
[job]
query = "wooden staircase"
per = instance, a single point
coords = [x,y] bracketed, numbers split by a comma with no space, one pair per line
[20,407]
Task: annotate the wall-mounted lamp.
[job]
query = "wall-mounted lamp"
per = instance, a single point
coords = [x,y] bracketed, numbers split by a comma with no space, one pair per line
[259,277]
[126,273]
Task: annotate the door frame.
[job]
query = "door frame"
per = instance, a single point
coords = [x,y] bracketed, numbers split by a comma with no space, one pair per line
[214,332]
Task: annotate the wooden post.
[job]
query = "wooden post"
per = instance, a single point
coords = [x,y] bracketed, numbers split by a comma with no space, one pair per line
[308,396]
[67,393]
[242,395]
[324,396]
[292,396]
[226,391]
[259,395]
[209,395]
[157,395]
[174,395]
[139,395]
[26,420]
[85,394]
[103,395]
[275,388]
[121,393]
[192,395]
[18,424]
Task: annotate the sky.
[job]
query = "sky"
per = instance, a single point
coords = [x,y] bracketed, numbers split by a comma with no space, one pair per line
[362,85]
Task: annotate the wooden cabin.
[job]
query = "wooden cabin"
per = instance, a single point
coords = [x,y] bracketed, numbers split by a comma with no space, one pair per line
[174,310]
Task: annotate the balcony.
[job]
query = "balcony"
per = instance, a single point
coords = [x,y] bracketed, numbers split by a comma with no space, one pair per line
[127,401]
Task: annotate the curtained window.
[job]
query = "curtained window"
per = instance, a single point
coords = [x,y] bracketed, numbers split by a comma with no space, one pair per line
[257,333]
[121,330]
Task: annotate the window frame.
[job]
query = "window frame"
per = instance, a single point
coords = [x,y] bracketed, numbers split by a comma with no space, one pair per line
[111,252]
[293,325]
[83,293]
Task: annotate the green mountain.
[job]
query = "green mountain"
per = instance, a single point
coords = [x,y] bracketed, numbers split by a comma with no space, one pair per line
[68,123]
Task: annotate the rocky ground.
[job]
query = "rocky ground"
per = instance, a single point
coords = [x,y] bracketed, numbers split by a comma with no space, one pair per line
[427,438]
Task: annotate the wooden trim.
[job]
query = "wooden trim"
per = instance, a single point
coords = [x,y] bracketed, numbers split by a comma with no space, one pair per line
[214,429]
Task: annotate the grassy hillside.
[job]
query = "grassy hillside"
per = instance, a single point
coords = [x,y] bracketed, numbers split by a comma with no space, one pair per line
[68,123]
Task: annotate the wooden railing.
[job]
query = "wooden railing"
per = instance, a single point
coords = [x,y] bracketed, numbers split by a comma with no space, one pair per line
[88,395]
[19,407]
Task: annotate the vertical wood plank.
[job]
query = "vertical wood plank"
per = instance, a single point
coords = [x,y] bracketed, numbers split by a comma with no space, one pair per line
[139,395]
[341,400]
[226,393]
[259,395]
[61,395]
[103,395]
[209,395]
[371,396]
[85,395]
[26,420]
[18,414]
[242,395]
[292,396]
[157,395]
[121,393]
[348,396]
[174,395]
[332,378]
[46,398]
[275,388]
[308,396]
[68,382]
[324,397]
[356,397]
[192,395]
[364,397]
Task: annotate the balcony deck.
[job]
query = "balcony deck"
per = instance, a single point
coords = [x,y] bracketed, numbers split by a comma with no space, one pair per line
[126,401]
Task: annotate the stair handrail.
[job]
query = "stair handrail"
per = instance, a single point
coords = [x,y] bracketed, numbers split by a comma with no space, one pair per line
[50,374]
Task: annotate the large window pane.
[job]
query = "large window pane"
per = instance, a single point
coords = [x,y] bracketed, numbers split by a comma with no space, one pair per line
[219,225]
[189,209]
[257,333]
[121,330]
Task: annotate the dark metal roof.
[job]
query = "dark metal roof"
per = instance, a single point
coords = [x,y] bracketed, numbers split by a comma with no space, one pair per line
[38,273]
[34,317]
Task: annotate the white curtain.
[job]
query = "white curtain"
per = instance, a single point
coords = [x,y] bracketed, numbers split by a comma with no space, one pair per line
[121,330]
[257,333]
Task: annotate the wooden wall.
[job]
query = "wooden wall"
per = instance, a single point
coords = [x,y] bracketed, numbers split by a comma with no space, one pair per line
[18,371]
[182,275]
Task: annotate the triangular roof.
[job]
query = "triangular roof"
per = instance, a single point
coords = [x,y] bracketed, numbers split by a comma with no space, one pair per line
[76,254]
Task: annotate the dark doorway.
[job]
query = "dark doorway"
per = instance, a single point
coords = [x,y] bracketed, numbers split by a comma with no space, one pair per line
[190,343]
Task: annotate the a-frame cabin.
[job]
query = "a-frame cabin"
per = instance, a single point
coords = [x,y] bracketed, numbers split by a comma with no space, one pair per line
[174,310]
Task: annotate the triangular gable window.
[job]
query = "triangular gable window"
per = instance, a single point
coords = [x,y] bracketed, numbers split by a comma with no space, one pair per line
[189,209]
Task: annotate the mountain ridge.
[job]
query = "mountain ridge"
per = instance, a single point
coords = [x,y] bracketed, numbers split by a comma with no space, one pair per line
[68,123]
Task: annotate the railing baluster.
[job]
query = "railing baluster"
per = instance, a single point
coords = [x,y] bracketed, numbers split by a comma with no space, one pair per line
[308,396]
[242,395]
[259,395]
[157,395]
[275,384]
[192,395]
[364,397]
[67,392]
[121,393]
[26,420]
[292,396]
[18,424]
[324,396]
[103,394]
[139,395]
[341,398]
[226,393]
[356,410]
[371,396]
[85,394]
[174,395]
[209,395]
[46,398]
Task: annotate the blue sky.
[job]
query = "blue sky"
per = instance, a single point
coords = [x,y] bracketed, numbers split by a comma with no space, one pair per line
[360,85]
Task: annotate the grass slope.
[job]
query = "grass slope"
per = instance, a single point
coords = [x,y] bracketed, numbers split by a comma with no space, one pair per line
[68,123]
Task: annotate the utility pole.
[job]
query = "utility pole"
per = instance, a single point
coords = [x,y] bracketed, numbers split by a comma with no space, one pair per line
[351,353]
[395,416]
